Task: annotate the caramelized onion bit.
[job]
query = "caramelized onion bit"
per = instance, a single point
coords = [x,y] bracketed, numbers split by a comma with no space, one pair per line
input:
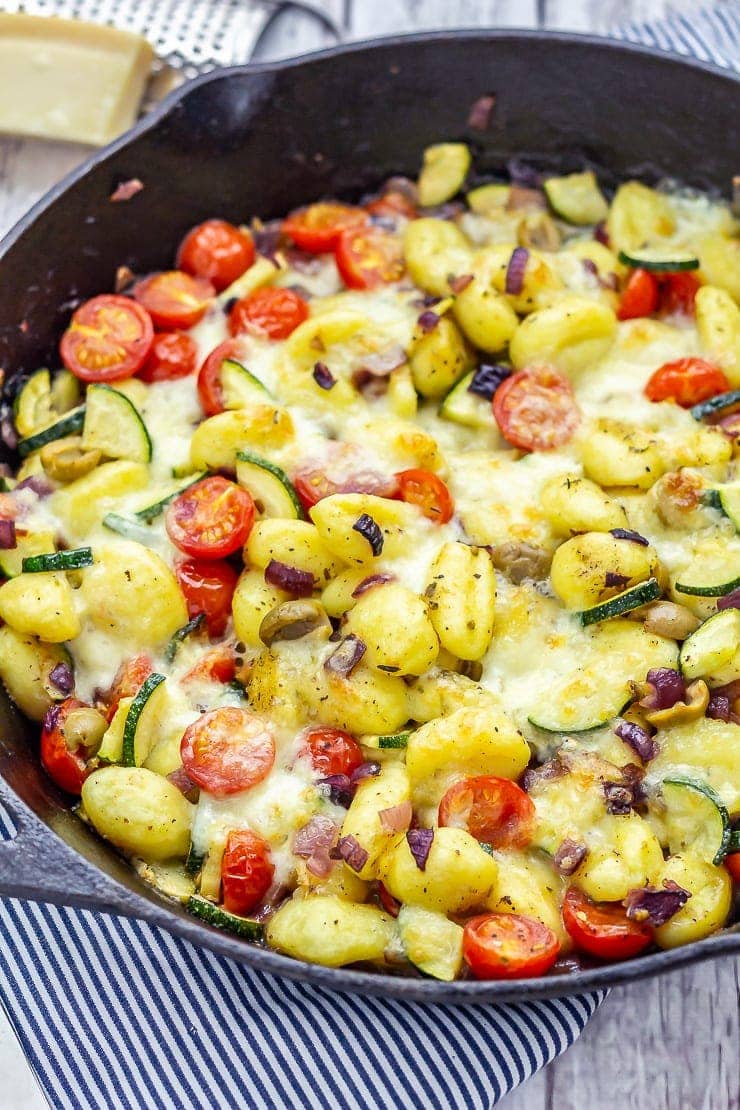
[638,739]
[7,535]
[352,852]
[626,534]
[370,530]
[346,656]
[323,376]
[481,112]
[420,843]
[515,270]
[371,581]
[297,582]
[656,906]
[668,687]
[569,856]
[487,378]
[396,818]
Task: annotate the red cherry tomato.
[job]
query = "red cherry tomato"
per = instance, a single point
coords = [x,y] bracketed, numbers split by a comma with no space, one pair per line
[317,228]
[217,251]
[428,492]
[390,904]
[246,871]
[67,768]
[211,519]
[535,409]
[677,293]
[640,297]
[508,946]
[274,313]
[392,204]
[332,751]
[687,381]
[109,338]
[495,811]
[603,929]
[732,863]
[210,393]
[343,470]
[174,299]
[173,355]
[208,587]
[227,750]
[217,665]
[368,257]
[130,677]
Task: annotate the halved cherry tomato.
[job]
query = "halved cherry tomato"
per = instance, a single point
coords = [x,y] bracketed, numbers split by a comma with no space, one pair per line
[535,409]
[109,338]
[210,393]
[317,228]
[217,251]
[390,904]
[687,381]
[732,863]
[67,768]
[368,257]
[428,492]
[173,355]
[174,299]
[271,312]
[508,946]
[227,750]
[211,519]
[208,586]
[246,871]
[217,665]
[678,293]
[392,204]
[343,470]
[495,811]
[603,929]
[129,678]
[640,297]
[332,751]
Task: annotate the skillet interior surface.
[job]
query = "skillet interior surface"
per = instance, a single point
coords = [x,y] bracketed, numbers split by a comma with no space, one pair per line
[261,140]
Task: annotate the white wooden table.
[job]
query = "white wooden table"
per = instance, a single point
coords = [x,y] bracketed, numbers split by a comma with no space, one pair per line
[667,1044]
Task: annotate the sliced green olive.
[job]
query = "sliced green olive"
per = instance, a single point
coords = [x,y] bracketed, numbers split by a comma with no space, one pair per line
[65,459]
[292,620]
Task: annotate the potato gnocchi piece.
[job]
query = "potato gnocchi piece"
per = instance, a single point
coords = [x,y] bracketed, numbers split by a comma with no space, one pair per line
[413,646]
[140,812]
[581,568]
[623,854]
[639,217]
[571,335]
[458,875]
[257,427]
[718,324]
[439,359]
[573,504]
[708,907]
[296,543]
[434,250]
[41,605]
[375,794]
[25,669]
[326,929]
[462,599]
[336,519]
[615,454]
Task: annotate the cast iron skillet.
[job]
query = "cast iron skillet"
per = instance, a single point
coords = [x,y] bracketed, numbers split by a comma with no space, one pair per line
[263,139]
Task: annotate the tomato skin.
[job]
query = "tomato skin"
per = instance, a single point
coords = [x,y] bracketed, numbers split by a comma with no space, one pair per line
[368,257]
[428,492]
[129,678]
[66,768]
[687,381]
[246,871]
[640,297]
[342,471]
[210,393]
[390,904]
[494,810]
[217,251]
[332,751]
[392,204]
[208,586]
[173,355]
[732,863]
[508,946]
[677,293]
[217,665]
[535,409]
[603,930]
[108,339]
[211,519]
[227,750]
[275,313]
[174,299]
[316,228]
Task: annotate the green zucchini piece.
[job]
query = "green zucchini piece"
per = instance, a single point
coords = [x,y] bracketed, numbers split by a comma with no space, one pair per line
[729,501]
[182,634]
[32,406]
[733,844]
[659,260]
[194,861]
[74,559]
[272,490]
[443,172]
[33,543]
[151,512]
[620,604]
[66,392]
[710,498]
[113,426]
[129,529]
[577,198]
[431,942]
[488,198]
[695,819]
[133,721]
[68,425]
[390,742]
[713,651]
[707,577]
[716,407]
[463,407]
[212,914]
[239,386]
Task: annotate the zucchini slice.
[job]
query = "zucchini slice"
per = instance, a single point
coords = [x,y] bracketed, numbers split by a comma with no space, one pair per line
[32,406]
[213,915]
[194,861]
[695,819]
[659,260]
[134,741]
[32,543]
[488,198]
[713,651]
[620,604]
[391,742]
[724,404]
[707,575]
[431,942]
[443,172]
[729,502]
[74,559]
[68,425]
[113,426]
[463,407]
[273,492]
[239,386]
[182,634]
[577,198]
[151,512]
[129,529]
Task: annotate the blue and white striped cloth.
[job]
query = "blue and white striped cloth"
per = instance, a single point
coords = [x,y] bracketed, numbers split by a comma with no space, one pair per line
[113,1013]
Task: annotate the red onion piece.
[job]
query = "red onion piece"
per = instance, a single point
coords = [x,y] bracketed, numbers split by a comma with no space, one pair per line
[668,688]
[297,582]
[320,863]
[638,739]
[352,852]
[40,485]
[619,797]
[320,832]
[396,818]
[569,856]
[729,601]
[384,362]
[323,376]
[487,378]
[611,578]
[339,789]
[8,434]
[371,581]
[553,769]
[460,284]
[656,906]
[481,112]
[370,530]
[7,535]
[626,534]
[515,270]
[718,708]
[126,190]
[51,717]
[302,262]
[523,174]
[346,656]
[61,676]
[267,238]
[184,784]
[364,771]
[601,235]
[420,844]
[428,321]
[608,282]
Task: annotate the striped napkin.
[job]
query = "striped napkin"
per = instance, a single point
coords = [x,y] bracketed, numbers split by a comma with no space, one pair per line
[115,1013]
